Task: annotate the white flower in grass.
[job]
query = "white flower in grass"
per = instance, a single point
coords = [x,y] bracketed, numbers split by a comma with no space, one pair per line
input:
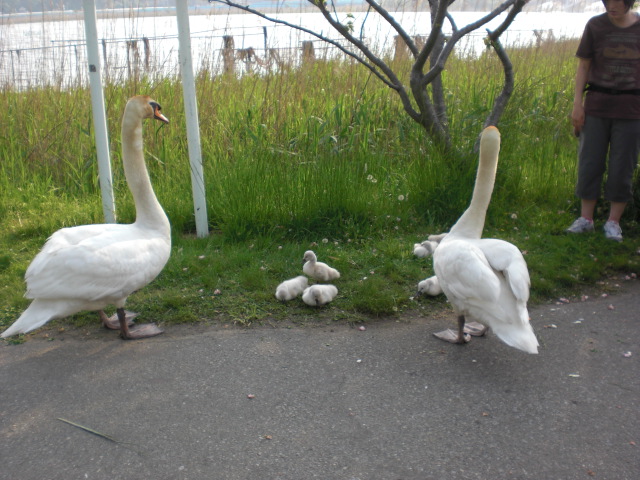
[325,240]
[400,198]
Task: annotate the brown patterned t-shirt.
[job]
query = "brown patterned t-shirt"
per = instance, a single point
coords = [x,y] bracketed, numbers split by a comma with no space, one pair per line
[615,64]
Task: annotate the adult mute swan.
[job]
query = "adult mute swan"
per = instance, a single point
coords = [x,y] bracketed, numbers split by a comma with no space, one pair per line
[318,295]
[91,266]
[290,289]
[318,270]
[485,279]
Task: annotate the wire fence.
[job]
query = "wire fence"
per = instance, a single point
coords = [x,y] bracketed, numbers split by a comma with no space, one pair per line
[64,63]
[234,50]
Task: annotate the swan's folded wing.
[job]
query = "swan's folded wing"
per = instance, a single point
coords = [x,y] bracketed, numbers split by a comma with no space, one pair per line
[96,270]
[506,258]
[463,270]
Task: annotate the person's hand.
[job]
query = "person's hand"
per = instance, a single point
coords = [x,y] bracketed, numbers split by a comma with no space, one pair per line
[577,118]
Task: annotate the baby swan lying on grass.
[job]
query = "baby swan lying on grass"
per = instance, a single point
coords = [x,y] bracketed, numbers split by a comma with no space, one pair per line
[318,270]
[424,249]
[429,286]
[290,289]
[318,295]
[428,246]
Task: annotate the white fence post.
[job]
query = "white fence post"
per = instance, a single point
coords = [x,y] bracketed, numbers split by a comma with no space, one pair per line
[191,114]
[98,108]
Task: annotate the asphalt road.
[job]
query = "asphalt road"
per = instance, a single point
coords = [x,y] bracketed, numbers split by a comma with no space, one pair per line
[331,402]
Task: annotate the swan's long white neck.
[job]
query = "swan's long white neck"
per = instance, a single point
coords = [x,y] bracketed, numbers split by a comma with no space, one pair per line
[471,223]
[149,212]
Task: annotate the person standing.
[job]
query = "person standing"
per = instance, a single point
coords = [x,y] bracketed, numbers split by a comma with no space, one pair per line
[607,118]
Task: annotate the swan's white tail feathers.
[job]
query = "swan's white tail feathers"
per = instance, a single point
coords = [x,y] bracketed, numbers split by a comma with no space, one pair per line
[520,337]
[38,313]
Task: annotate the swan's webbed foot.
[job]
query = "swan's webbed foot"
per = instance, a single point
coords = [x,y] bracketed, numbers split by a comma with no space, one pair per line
[141,331]
[135,332]
[465,330]
[450,336]
[475,329]
[113,322]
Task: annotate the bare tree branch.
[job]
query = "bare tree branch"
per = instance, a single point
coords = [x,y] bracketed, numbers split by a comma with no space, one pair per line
[502,99]
[396,26]
[425,106]
[507,89]
[319,36]
[436,29]
[457,35]
[394,81]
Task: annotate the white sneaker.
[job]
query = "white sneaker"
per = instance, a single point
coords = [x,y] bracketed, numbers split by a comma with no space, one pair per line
[581,225]
[613,231]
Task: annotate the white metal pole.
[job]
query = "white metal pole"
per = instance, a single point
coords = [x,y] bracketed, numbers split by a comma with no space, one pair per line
[99,115]
[191,114]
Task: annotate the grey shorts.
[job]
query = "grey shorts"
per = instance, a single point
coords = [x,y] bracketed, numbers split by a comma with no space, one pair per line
[620,139]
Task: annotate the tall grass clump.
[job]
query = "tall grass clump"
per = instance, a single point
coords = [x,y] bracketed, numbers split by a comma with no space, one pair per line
[310,150]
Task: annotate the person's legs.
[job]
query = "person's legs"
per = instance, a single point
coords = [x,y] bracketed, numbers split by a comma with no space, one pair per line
[623,159]
[587,208]
[617,209]
[592,160]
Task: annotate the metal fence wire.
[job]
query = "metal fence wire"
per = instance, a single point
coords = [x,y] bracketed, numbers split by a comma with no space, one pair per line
[230,50]
[64,63]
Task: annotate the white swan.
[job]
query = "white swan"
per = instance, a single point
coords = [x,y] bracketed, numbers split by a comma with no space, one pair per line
[89,267]
[317,295]
[485,279]
[290,289]
[318,270]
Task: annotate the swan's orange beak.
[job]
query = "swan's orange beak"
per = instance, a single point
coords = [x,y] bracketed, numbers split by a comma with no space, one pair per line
[157,115]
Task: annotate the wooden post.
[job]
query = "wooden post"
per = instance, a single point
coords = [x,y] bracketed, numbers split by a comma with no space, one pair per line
[228,55]
[147,52]
[308,52]
[264,34]
[401,51]
[420,41]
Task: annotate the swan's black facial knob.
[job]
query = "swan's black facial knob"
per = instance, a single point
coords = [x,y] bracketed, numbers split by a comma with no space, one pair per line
[156,112]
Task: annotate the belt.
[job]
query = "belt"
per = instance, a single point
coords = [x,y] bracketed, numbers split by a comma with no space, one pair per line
[611,91]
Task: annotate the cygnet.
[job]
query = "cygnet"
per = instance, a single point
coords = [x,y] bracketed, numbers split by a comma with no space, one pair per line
[317,295]
[318,270]
[428,246]
[429,286]
[290,289]
[424,249]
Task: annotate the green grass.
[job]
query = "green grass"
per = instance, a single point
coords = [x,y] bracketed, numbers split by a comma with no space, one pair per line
[323,158]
